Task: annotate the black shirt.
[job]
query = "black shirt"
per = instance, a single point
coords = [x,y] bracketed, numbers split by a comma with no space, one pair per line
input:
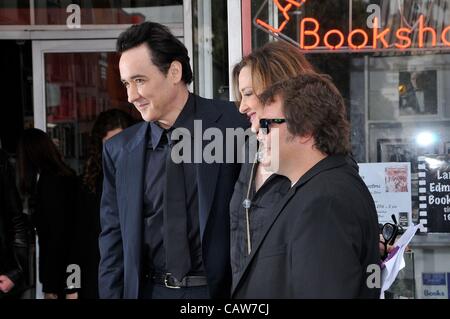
[155,177]
[262,204]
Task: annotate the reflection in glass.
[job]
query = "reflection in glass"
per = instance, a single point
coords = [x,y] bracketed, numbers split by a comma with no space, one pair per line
[78,87]
[110,12]
[210,36]
[15,12]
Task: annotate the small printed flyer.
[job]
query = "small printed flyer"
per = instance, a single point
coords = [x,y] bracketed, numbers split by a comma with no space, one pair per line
[390,186]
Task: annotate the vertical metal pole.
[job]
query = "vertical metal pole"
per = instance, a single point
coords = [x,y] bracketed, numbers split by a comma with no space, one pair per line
[350,16]
[366,105]
[234,25]
[32,12]
[187,33]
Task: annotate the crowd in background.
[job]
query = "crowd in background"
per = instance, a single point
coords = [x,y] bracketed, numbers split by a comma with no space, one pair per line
[63,210]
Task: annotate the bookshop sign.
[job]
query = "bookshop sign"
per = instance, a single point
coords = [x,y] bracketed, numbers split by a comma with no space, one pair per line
[312,37]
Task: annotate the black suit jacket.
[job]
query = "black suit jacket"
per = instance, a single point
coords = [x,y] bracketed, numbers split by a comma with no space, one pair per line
[121,213]
[319,240]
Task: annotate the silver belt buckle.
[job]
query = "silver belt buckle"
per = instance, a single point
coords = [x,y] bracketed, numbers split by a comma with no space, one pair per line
[166,281]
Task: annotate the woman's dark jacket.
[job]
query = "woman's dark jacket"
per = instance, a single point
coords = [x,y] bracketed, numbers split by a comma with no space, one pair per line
[54,218]
[88,227]
[13,226]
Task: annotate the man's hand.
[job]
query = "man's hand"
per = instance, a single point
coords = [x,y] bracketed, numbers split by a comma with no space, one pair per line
[6,284]
[389,247]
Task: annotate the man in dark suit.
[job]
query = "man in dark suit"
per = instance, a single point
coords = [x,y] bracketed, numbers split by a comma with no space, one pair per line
[165,224]
[320,239]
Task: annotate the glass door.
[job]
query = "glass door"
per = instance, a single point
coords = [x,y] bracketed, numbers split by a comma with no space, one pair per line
[73,82]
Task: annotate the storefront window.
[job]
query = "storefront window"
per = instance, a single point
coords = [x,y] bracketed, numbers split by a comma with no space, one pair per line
[210,48]
[78,87]
[90,12]
[397,94]
[111,12]
[15,12]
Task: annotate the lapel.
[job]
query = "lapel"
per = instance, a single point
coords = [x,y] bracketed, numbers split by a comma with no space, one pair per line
[207,180]
[207,174]
[133,178]
[329,162]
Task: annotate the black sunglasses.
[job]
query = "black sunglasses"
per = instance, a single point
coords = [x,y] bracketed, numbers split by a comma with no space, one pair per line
[389,232]
[265,124]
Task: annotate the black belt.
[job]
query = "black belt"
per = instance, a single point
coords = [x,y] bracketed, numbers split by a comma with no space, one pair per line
[170,281]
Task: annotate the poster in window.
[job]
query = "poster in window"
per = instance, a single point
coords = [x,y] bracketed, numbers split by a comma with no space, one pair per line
[397,150]
[390,187]
[418,93]
[403,150]
[434,193]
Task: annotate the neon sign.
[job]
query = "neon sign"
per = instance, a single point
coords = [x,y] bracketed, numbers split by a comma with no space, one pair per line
[310,32]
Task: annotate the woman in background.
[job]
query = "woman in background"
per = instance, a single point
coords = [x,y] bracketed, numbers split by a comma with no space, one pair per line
[107,124]
[13,233]
[51,186]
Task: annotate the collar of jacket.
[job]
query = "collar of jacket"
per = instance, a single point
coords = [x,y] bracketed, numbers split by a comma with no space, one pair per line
[208,116]
[329,162]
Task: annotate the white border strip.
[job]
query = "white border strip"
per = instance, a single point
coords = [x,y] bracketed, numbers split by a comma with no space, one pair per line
[234,17]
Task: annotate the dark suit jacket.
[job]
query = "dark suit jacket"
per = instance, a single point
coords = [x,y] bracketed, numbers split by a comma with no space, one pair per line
[319,240]
[121,217]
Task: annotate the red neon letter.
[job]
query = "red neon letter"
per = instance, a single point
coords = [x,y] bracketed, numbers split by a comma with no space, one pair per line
[404,38]
[328,34]
[350,39]
[285,11]
[444,36]
[379,36]
[423,29]
[313,33]
[269,27]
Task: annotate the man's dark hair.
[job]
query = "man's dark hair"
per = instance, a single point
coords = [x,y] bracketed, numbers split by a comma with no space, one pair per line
[164,46]
[313,105]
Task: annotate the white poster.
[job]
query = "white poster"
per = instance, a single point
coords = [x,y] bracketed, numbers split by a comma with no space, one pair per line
[390,186]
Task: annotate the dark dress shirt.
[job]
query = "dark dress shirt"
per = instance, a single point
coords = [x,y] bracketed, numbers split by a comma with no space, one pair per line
[155,177]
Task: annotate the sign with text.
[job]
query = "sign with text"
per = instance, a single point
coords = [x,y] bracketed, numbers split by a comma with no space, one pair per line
[423,30]
[434,193]
[390,186]
[435,286]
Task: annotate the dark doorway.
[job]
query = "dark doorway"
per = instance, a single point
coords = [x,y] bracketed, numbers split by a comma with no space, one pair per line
[16,87]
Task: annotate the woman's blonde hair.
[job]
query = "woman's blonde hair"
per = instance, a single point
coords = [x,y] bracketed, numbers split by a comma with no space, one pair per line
[275,61]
